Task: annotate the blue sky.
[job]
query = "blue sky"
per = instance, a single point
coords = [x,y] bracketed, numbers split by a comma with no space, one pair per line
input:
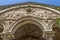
[50,2]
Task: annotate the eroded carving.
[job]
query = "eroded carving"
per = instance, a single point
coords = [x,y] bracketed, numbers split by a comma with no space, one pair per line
[40,13]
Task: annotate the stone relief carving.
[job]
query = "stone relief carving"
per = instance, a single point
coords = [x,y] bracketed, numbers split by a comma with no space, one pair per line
[34,12]
[14,14]
[40,13]
[48,35]
[7,25]
[7,36]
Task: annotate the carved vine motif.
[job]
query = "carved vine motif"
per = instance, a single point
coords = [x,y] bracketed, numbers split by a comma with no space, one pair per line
[40,13]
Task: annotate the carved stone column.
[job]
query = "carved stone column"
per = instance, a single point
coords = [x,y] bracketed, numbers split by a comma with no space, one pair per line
[48,35]
[7,36]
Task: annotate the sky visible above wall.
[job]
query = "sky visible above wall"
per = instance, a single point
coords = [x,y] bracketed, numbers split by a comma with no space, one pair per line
[50,2]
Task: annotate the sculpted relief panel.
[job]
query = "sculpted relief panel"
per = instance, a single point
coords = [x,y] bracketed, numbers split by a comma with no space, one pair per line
[40,13]
[44,14]
[34,12]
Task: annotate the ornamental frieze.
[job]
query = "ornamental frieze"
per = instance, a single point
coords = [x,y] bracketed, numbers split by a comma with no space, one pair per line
[34,12]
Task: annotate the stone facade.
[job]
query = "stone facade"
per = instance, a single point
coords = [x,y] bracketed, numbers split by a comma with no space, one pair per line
[28,13]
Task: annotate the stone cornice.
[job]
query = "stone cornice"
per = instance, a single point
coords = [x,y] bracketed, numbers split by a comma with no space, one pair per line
[26,3]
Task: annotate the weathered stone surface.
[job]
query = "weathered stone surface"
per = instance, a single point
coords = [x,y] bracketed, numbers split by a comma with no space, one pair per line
[35,14]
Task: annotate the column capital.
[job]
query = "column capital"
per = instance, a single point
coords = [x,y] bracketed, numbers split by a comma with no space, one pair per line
[48,35]
[7,36]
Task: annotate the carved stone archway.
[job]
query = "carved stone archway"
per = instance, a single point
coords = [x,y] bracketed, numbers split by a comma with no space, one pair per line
[12,15]
[28,19]
[28,30]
